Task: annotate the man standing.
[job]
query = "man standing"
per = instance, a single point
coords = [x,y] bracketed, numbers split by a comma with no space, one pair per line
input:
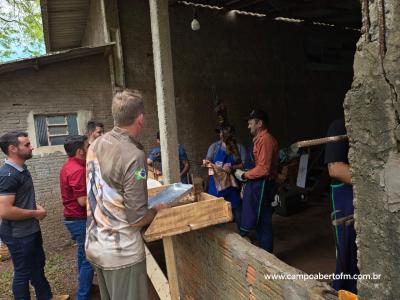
[155,159]
[342,202]
[74,198]
[260,187]
[117,202]
[20,215]
[94,130]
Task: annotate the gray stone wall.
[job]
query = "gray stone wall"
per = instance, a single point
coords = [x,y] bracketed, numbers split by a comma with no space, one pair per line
[372,120]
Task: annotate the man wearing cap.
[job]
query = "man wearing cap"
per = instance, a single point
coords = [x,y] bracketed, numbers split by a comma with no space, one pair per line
[259,190]
[154,160]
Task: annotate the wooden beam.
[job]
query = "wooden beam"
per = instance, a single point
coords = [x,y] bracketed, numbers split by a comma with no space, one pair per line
[185,218]
[171,267]
[157,277]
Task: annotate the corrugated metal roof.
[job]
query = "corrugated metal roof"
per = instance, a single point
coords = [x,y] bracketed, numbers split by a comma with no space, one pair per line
[37,62]
[344,13]
[64,23]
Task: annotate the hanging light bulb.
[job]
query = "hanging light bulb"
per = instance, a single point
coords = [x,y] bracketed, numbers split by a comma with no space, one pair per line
[195,25]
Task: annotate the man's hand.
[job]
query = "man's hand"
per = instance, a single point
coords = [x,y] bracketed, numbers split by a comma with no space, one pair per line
[206,163]
[40,212]
[239,175]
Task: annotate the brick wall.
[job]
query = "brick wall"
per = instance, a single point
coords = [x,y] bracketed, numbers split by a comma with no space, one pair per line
[248,61]
[80,84]
[217,264]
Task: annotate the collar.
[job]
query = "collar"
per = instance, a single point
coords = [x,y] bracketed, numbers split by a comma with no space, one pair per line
[123,132]
[15,166]
[81,162]
[262,133]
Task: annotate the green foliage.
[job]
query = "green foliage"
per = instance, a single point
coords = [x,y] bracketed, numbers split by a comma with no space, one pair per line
[21,30]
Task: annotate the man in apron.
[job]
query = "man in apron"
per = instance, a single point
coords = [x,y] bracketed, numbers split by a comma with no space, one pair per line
[342,202]
[260,187]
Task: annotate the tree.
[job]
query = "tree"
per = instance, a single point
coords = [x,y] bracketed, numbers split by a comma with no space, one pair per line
[21,30]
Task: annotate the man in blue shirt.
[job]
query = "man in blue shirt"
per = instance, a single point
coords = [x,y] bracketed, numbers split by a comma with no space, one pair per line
[154,160]
[20,215]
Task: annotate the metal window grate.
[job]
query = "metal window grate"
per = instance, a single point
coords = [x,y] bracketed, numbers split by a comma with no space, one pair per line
[52,130]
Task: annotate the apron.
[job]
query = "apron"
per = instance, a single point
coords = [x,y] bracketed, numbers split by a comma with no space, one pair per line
[345,237]
[231,194]
[258,194]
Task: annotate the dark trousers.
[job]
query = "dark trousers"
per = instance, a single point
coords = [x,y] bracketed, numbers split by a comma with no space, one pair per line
[346,251]
[257,211]
[29,260]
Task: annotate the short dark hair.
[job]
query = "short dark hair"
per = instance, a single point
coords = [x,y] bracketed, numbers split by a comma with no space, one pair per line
[158,135]
[10,138]
[91,126]
[74,142]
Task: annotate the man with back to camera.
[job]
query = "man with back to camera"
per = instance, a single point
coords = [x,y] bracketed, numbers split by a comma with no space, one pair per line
[74,198]
[117,203]
[20,229]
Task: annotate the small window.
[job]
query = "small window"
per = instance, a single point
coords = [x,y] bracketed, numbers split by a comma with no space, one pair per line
[51,130]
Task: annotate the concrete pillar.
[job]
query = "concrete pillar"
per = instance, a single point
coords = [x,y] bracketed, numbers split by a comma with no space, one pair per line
[372,110]
[163,72]
[165,89]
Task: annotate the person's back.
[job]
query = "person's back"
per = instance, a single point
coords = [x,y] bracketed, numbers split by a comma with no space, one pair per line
[114,161]
[117,203]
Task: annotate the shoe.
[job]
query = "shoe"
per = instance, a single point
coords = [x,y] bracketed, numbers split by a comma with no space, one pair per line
[60,297]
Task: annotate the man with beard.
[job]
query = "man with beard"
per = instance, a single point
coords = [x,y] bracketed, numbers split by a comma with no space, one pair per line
[260,188]
[20,215]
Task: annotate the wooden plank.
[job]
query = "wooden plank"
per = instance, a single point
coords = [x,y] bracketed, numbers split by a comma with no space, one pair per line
[171,267]
[185,218]
[157,277]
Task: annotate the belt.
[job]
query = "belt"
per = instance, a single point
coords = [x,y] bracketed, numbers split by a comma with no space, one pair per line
[74,218]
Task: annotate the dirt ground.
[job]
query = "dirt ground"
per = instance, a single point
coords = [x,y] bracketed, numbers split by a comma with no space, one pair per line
[61,273]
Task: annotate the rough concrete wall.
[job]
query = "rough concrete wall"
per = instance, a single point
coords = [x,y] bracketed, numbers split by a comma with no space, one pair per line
[247,61]
[217,264]
[80,84]
[372,119]
[95,28]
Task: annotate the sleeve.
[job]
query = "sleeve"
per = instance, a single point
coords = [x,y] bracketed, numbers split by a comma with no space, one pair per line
[8,184]
[338,151]
[210,152]
[264,155]
[153,155]
[135,189]
[182,153]
[77,181]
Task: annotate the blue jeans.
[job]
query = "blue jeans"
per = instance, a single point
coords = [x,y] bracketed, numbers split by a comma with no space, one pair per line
[28,259]
[85,271]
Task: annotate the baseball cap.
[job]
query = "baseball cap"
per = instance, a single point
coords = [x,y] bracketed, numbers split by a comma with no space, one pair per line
[258,114]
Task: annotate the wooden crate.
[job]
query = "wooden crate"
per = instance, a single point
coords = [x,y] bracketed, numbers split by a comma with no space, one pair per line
[187,217]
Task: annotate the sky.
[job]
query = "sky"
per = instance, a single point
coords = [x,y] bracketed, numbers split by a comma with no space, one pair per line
[17,47]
